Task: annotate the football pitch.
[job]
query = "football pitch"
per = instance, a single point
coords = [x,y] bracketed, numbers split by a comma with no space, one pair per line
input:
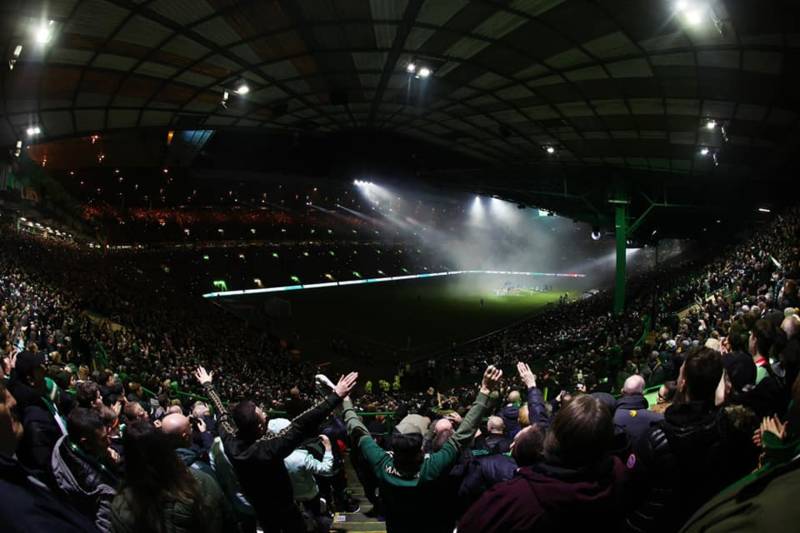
[413,318]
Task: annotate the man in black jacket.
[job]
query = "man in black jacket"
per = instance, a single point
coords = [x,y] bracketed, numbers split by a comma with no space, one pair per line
[696,451]
[27,505]
[257,457]
[40,416]
[630,412]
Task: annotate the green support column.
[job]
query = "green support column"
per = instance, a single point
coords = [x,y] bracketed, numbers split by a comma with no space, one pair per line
[621,232]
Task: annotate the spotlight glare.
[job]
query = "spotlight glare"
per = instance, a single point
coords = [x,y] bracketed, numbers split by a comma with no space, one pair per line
[411,68]
[550,150]
[424,72]
[711,124]
[694,17]
[242,89]
[33,130]
[704,151]
[681,6]
[44,33]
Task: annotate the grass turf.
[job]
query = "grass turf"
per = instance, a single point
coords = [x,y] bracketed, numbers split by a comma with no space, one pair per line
[412,316]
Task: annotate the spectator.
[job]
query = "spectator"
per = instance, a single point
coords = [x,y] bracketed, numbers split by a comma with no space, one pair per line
[255,458]
[694,452]
[26,504]
[631,412]
[666,395]
[160,493]
[510,413]
[577,487]
[83,466]
[406,476]
[302,467]
[495,440]
[296,405]
[42,423]
[761,340]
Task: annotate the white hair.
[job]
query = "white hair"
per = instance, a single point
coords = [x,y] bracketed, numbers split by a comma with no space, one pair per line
[633,385]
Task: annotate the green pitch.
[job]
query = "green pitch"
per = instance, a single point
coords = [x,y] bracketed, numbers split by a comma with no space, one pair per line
[412,317]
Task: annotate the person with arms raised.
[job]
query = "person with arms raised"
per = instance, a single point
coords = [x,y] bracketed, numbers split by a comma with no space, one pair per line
[407,477]
[257,456]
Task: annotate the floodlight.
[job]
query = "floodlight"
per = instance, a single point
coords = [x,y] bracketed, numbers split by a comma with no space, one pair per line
[44,33]
[33,130]
[242,89]
[550,150]
[694,17]
[704,151]
[711,124]
[424,72]
[411,68]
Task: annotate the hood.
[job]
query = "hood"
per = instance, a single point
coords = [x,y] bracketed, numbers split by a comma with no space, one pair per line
[690,427]
[555,484]
[510,414]
[187,456]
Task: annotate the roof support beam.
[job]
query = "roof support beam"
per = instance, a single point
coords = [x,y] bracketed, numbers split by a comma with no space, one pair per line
[412,10]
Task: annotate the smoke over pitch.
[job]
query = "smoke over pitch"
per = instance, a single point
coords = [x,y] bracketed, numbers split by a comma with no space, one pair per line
[467,232]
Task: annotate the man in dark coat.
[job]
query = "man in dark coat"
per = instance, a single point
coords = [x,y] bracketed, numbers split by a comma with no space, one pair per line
[257,457]
[27,505]
[697,450]
[40,417]
[631,412]
[577,487]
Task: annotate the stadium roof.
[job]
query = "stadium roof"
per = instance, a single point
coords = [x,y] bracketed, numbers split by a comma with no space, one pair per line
[621,84]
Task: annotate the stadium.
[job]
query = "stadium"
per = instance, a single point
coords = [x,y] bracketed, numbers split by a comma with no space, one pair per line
[399,265]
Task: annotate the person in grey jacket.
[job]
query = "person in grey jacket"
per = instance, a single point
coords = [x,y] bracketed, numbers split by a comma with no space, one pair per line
[83,466]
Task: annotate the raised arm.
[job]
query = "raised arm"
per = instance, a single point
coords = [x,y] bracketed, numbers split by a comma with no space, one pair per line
[443,460]
[306,423]
[324,467]
[479,409]
[224,423]
[537,412]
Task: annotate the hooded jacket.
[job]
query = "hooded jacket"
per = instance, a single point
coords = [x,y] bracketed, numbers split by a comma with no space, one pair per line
[41,430]
[546,497]
[28,506]
[87,484]
[696,451]
[510,416]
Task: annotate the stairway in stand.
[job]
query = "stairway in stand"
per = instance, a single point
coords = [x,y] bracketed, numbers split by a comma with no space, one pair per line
[357,521]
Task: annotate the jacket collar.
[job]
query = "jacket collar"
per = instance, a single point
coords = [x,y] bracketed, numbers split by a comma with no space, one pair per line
[632,401]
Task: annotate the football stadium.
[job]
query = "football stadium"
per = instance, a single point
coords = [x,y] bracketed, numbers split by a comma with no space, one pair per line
[405,266]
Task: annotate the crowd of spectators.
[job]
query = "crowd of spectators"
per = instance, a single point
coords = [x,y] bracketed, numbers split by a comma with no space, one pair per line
[524,434]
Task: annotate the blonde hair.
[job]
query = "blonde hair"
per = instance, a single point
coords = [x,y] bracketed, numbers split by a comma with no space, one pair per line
[523,419]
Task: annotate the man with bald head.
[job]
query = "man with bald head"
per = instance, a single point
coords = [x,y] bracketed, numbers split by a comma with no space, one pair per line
[631,412]
[495,440]
[179,428]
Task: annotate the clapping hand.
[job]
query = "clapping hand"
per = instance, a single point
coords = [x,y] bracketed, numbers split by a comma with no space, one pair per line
[773,425]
